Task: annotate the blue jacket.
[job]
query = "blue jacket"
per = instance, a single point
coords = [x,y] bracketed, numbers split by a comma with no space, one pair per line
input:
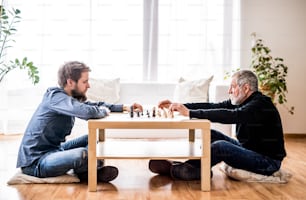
[53,120]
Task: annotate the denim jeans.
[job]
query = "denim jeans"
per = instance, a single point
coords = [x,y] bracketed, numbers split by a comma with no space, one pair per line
[73,155]
[229,150]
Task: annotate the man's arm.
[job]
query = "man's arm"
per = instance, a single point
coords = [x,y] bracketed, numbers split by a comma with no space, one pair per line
[224,104]
[117,107]
[253,111]
[60,102]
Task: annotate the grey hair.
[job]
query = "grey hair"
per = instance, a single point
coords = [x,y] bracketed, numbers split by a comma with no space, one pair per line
[247,77]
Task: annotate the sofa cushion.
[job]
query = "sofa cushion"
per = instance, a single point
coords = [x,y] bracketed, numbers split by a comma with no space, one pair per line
[192,91]
[106,90]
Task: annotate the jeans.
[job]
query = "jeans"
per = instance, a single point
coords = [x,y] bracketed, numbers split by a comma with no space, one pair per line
[73,155]
[229,150]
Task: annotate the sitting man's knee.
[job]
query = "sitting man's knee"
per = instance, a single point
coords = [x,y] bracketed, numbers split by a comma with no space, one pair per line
[81,153]
[219,144]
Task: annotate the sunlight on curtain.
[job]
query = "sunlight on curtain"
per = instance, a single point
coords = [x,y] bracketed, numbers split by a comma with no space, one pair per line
[195,38]
[117,39]
[135,40]
[50,33]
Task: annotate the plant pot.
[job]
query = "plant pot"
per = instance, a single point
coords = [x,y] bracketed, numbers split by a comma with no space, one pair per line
[266,91]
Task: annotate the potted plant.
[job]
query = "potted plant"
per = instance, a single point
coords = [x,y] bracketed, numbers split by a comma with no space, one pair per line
[8,20]
[271,72]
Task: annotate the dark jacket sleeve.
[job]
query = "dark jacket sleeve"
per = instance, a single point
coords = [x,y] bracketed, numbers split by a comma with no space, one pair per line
[223,112]
[253,110]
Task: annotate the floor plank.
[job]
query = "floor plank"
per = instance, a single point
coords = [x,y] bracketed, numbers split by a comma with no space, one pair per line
[135,181]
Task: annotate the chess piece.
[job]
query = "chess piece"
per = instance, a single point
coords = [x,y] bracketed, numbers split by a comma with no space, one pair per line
[154,112]
[170,114]
[159,112]
[164,112]
[148,114]
[131,111]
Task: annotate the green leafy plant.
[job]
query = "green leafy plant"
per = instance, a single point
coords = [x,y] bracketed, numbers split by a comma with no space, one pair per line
[271,73]
[8,21]
[229,74]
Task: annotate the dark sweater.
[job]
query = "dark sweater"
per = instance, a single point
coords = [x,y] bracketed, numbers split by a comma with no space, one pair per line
[258,123]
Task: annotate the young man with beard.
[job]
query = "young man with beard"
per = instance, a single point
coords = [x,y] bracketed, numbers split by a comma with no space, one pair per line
[259,146]
[44,151]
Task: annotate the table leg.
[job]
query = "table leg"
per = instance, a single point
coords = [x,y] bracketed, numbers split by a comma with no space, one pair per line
[92,160]
[205,160]
[101,135]
[191,135]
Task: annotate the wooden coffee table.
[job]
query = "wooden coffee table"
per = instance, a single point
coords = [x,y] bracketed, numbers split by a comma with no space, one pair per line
[101,148]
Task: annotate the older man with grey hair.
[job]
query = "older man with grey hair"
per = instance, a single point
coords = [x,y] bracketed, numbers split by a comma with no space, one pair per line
[259,146]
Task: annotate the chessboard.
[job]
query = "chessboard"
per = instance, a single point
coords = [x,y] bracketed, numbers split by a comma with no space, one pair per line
[154,112]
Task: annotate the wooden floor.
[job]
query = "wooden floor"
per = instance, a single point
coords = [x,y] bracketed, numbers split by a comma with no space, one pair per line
[135,181]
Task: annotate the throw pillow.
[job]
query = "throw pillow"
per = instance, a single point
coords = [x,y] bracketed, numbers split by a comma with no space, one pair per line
[106,90]
[194,91]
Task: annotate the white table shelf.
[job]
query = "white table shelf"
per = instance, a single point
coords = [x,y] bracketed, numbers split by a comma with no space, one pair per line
[149,149]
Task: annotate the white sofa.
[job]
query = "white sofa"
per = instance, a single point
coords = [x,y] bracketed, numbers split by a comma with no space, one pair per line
[17,106]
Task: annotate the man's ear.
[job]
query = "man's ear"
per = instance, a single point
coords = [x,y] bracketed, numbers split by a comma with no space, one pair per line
[70,82]
[246,88]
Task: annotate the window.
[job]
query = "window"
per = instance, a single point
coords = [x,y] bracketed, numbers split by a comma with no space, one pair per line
[192,38]
[136,40]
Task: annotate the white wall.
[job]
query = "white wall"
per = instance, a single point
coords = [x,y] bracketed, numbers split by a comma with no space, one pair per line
[282,25]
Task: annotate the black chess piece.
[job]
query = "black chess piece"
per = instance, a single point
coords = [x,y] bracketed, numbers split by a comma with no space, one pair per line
[132,111]
[148,114]
[154,112]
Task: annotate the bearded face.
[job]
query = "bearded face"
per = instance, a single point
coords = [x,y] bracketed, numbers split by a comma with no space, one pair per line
[76,93]
[77,89]
[238,98]
[238,94]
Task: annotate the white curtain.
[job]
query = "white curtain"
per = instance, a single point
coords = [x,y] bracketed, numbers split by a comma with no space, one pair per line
[136,40]
[195,38]
[150,40]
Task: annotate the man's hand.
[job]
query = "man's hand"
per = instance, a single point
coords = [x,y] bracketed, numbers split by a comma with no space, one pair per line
[164,104]
[183,110]
[136,107]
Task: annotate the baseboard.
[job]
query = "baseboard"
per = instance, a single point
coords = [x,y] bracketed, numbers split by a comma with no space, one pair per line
[295,135]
